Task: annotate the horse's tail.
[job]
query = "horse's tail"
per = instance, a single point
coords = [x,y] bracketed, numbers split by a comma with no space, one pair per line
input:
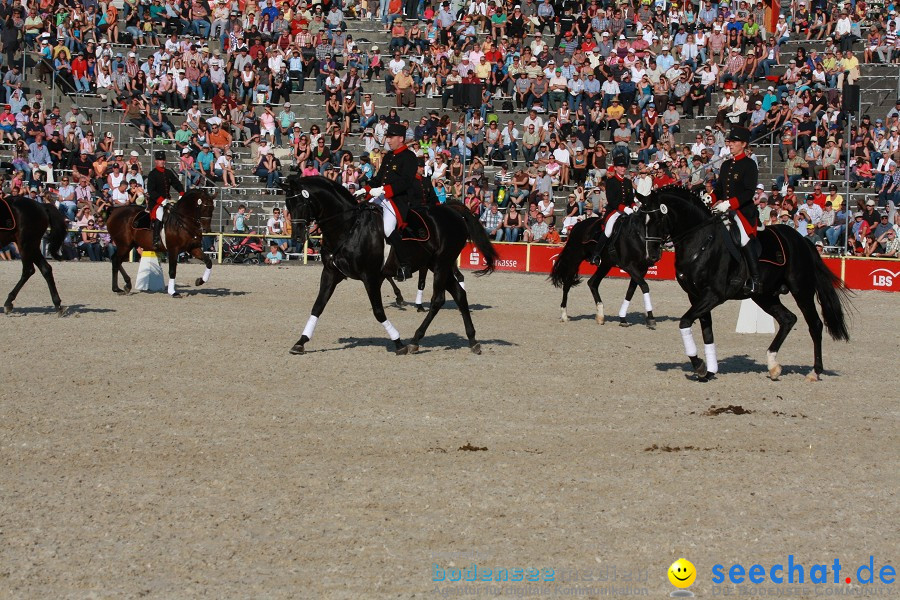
[565,269]
[481,240]
[833,296]
[57,230]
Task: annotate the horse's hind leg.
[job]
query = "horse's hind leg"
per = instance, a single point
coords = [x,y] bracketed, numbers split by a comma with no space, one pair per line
[199,254]
[699,309]
[807,306]
[786,320]
[420,289]
[173,269]
[648,305]
[709,345]
[327,282]
[117,260]
[27,272]
[437,301]
[398,295]
[462,301]
[594,285]
[47,272]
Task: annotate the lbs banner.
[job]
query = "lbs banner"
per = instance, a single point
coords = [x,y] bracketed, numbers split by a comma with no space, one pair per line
[858,273]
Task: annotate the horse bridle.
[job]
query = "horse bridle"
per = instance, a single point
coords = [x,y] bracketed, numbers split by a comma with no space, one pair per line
[647,237]
[305,222]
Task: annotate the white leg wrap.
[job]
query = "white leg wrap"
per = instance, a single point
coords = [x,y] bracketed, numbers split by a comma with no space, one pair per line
[611,223]
[206,275]
[648,306]
[600,309]
[171,287]
[687,336]
[391,330]
[159,213]
[745,239]
[310,326]
[462,284]
[770,360]
[712,361]
[419,295]
[623,310]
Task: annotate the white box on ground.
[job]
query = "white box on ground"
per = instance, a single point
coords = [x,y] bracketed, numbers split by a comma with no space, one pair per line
[753,319]
[150,274]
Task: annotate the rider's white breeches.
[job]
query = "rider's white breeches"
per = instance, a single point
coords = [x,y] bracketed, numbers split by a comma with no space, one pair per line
[389,219]
[745,239]
[607,230]
[159,213]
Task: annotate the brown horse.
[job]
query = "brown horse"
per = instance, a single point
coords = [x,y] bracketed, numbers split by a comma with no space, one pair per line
[184,228]
[26,226]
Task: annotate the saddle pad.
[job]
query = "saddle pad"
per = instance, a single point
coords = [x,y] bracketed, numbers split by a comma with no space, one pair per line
[771,248]
[416,229]
[7,218]
[141,220]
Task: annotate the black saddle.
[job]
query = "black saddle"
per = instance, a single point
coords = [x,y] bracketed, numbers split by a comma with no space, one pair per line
[7,218]
[141,220]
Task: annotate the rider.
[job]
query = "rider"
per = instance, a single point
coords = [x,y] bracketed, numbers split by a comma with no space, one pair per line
[735,190]
[620,195]
[393,188]
[159,181]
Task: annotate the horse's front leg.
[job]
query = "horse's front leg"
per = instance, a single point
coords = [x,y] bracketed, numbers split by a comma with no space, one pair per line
[373,289]
[199,254]
[173,268]
[709,345]
[327,282]
[638,279]
[699,308]
[420,289]
[27,272]
[398,295]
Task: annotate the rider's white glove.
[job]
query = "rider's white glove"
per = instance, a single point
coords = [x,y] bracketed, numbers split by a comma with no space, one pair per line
[628,210]
[359,193]
[723,207]
[376,191]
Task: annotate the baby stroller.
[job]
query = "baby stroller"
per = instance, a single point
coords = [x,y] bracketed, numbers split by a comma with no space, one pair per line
[247,251]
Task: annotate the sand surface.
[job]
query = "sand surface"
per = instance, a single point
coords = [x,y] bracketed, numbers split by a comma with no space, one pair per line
[152,447]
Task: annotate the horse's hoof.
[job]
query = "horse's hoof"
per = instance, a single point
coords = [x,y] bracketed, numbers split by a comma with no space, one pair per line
[813,376]
[476,348]
[297,349]
[199,282]
[402,350]
[8,308]
[412,348]
[62,311]
[175,295]
[651,323]
[600,320]
[699,366]
[420,308]
[775,372]
[624,323]
[128,289]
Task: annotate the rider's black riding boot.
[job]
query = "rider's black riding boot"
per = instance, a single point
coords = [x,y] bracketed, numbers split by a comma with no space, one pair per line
[598,248]
[753,286]
[157,229]
[404,272]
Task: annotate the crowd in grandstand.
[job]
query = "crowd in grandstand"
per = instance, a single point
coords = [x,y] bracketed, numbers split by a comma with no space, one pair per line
[561,88]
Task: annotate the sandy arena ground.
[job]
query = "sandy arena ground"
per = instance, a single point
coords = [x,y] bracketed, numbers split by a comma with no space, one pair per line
[174,449]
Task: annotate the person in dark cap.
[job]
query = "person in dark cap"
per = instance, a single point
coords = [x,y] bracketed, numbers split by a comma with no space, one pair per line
[619,200]
[429,196]
[393,188]
[159,184]
[735,191]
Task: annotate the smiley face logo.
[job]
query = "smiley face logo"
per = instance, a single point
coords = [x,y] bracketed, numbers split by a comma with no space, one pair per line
[682,573]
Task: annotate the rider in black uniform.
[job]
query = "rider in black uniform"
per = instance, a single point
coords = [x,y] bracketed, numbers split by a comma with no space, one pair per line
[619,201]
[395,187]
[159,182]
[734,191]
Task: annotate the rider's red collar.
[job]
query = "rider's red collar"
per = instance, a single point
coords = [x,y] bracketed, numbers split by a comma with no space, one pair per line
[739,156]
[161,169]
[400,149]
[617,176]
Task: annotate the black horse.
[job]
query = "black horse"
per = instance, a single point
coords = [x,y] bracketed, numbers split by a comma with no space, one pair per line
[353,248]
[25,225]
[635,248]
[707,268]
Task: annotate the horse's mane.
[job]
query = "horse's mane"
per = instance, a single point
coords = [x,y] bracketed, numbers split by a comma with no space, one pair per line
[333,186]
[683,193]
